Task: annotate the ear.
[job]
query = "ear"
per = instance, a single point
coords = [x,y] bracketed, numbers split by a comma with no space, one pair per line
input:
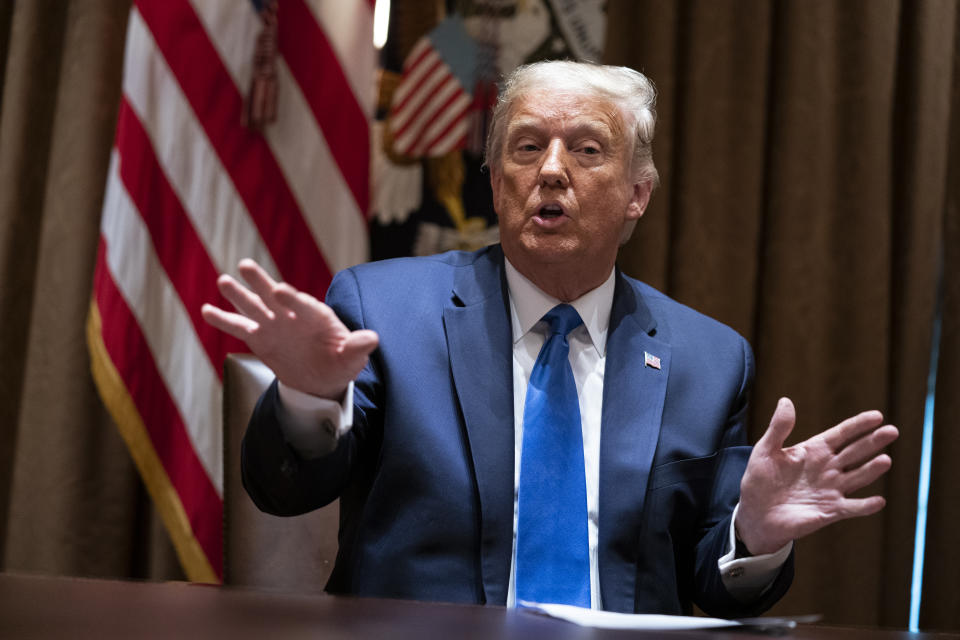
[639,199]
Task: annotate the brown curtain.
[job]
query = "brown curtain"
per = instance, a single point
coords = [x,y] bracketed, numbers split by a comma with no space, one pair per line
[941,595]
[70,499]
[803,149]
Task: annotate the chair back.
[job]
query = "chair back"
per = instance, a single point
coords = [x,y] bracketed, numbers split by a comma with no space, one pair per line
[261,550]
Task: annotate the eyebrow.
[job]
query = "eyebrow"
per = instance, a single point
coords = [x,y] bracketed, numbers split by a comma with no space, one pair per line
[521,125]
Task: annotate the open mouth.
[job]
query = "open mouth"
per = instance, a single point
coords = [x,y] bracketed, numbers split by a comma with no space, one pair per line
[551,211]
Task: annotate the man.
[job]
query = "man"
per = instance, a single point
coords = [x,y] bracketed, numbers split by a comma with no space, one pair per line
[418,397]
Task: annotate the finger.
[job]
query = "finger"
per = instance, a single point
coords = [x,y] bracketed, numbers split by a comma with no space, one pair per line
[237,325]
[856,507]
[300,305]
[852,428]
[258,279]
[781,424]
[865,474]
[243,300]
[866,447]
[299,302]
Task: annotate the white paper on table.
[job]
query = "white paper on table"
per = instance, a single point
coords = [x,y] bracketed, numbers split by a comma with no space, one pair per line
[658,622]
[613,620]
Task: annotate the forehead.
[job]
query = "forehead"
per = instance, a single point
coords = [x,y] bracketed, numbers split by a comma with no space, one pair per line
[564,111]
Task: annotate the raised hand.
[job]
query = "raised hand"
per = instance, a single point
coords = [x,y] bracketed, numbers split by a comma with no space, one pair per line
[300,338]
[787,493]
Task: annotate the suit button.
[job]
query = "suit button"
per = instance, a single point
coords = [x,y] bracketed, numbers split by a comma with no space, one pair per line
[327,425]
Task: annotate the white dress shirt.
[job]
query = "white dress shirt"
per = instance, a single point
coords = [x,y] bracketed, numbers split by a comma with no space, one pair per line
[304,414]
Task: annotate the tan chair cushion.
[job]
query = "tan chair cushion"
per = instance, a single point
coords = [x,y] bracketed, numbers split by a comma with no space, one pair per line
[261,550]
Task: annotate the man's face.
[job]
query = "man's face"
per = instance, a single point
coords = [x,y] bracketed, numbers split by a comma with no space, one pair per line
[564,188]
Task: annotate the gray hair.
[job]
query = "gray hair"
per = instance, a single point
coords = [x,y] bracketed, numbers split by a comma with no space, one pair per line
[631,91]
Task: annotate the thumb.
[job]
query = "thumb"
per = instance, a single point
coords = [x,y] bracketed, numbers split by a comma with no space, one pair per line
[781,424]
[359,344]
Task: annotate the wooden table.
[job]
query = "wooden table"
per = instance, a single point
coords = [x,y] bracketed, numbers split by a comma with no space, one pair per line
[45,607]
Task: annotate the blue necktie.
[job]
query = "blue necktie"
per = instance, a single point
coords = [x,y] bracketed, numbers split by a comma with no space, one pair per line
[553,563]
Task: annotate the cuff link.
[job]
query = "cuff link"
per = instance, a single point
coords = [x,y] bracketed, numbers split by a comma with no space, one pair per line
[736,572]
[328,427]
[288,468]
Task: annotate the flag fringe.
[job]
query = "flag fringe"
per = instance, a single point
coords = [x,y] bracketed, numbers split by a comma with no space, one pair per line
[130,424]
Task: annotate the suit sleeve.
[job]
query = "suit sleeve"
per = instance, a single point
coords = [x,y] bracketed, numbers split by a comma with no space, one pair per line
[711,595]
[278,479]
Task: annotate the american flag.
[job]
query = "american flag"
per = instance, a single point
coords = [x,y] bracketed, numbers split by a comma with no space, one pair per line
[651,360]
[428,113]
[191,191]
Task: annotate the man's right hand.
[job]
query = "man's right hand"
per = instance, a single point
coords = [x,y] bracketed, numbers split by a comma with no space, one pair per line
[300,338]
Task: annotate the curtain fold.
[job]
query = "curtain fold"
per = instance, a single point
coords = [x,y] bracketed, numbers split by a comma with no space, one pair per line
[803,155]
[940,604]
[924,114]
[71,500]
[29,79]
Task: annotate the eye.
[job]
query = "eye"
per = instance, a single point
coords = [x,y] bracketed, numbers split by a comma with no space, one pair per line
[590,150]
[528,146]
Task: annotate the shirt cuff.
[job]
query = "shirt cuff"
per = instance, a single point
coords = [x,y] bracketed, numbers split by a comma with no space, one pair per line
[747,578]
[312,425]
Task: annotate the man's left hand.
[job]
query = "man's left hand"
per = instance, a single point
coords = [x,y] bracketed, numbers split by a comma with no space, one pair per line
[789,492]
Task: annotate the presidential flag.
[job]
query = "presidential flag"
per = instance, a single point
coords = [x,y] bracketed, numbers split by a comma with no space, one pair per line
[193,187]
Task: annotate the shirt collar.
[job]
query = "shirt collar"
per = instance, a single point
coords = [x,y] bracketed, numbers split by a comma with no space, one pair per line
[528,304]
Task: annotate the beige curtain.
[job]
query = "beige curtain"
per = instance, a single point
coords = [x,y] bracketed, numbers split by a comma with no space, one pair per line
[70,500]
[803,148]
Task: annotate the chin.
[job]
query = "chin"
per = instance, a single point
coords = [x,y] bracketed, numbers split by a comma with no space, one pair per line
[552,249]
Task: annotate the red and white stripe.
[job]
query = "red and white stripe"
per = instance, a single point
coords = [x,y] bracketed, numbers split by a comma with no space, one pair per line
[428,116]
[191,191]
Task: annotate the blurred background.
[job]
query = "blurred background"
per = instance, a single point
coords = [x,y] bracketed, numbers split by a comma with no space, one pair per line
[809,156]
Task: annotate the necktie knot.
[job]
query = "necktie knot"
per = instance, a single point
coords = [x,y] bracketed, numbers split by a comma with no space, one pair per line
[562,319]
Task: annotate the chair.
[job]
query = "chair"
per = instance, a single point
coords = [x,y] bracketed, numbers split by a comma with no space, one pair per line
[260,550]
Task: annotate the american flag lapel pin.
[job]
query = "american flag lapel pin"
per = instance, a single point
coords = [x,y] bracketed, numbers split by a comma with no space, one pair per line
[651,360]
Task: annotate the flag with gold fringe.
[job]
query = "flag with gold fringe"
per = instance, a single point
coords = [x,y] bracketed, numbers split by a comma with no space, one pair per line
[242,132]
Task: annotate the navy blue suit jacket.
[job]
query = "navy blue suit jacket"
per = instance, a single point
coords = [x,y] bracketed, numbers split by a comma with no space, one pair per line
[426,475]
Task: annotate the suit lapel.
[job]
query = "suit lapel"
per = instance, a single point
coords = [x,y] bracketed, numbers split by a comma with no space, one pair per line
[633,397]
[477,326]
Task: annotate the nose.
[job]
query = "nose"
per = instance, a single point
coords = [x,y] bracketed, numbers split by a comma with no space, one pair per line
[553,169]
